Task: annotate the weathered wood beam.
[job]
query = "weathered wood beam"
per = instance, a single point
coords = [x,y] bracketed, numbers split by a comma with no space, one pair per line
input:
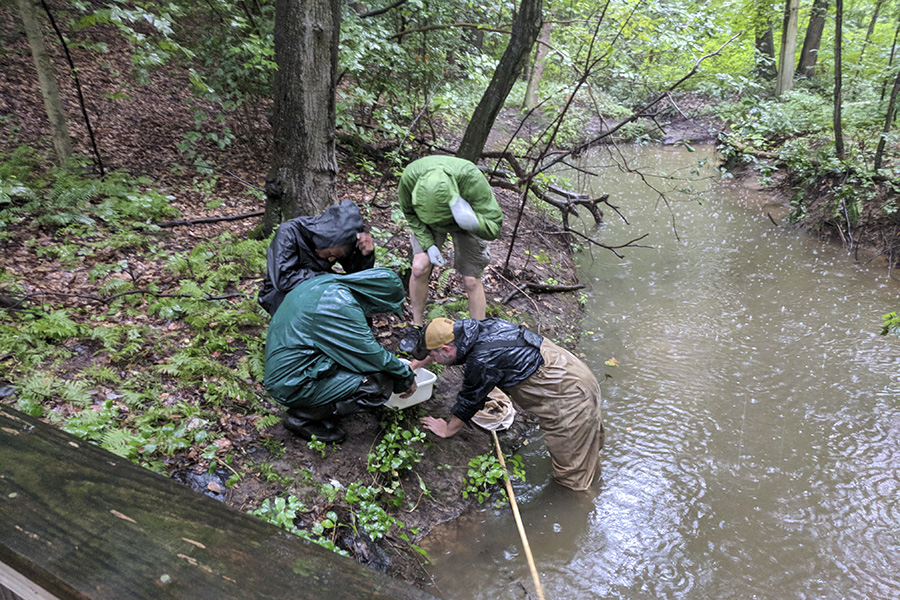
[82,523]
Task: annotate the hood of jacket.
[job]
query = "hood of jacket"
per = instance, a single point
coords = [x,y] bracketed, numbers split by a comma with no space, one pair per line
[335,228]
[432,195]
[465,334]
[377,290]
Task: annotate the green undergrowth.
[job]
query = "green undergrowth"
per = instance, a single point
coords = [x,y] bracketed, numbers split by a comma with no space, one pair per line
[373,506]
[794,135]
[155,352]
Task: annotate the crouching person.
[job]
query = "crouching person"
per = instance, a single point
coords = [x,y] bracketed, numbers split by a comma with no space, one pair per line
[322,359]
[542,378]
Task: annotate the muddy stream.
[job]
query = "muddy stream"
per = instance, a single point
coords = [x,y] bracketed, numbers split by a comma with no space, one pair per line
[753,420]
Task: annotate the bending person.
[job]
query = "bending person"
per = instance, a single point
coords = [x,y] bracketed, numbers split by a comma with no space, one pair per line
[309,246]
[322,359]
[441,195]
[542,378]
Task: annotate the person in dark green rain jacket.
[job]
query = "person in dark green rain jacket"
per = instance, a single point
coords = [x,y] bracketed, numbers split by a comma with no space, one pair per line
[322,359]
[441,195]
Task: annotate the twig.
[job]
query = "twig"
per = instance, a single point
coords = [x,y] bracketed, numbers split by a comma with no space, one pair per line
[537,309]
[255,187]
[183,222]
[379,11]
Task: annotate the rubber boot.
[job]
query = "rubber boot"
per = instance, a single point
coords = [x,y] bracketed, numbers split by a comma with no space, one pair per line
[374,391]
[411,339]
[320,422]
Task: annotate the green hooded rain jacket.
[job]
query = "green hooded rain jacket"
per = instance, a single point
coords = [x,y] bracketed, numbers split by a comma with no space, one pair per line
[319,346]
[427,187]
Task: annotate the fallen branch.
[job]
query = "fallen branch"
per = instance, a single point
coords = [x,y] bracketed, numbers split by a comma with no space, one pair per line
[580,148]
[539,288]
[23,299]
[183,222]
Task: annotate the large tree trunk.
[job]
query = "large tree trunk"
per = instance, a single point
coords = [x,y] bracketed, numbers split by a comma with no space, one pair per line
[785,80]
[838,39]
[540,55]
[525,29]
[303,172]
[62,143]
[810,52]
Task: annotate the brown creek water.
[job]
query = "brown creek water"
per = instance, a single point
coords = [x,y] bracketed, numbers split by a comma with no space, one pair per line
[753,420]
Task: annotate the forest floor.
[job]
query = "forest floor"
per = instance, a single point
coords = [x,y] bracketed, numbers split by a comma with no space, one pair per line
[139,129]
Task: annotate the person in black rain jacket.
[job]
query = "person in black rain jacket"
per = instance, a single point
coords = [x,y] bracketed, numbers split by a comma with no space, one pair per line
[542,378]
[308,246]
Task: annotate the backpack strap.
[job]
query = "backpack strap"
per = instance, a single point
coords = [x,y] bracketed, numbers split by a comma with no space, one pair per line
[523,339]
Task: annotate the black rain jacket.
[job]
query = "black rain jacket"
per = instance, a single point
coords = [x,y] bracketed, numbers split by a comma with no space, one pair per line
[291,258]
[494,353]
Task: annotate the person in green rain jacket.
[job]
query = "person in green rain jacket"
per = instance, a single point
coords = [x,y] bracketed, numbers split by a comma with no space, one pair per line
[441,195]
[322,359]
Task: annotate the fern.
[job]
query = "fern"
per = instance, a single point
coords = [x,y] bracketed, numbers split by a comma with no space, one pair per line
[443,281]
[120,442]
[76,392]
[267,421]
[256,360]
[54,326]
[438,311]
[38,388]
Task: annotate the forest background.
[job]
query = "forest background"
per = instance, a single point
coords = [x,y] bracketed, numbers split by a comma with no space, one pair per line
[150,148]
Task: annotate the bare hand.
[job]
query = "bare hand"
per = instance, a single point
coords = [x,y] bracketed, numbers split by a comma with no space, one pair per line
[365,243]
[412,390]
[418,364]
[442,428]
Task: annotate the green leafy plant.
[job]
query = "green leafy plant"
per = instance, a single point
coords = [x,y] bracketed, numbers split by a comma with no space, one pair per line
[283,512]
[890,324]
[395,453]
[485,475]
[316,445]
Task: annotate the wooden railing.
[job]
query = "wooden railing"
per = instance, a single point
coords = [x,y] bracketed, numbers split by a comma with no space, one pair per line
[79,522]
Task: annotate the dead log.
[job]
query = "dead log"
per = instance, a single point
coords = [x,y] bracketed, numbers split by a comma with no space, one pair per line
[538,288]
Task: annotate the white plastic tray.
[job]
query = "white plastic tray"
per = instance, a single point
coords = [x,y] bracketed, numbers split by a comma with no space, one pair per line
[425,385]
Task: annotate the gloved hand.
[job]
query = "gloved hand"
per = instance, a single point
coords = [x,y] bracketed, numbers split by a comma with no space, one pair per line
[463,214]
[434,255]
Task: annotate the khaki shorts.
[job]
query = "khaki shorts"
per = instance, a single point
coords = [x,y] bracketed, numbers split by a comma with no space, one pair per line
[471,254]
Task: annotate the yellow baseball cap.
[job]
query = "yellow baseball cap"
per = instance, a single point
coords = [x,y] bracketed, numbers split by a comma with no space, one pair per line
[437,333]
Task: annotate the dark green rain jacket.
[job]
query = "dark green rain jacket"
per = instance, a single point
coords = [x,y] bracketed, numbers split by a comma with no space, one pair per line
[319,346]
[429,184]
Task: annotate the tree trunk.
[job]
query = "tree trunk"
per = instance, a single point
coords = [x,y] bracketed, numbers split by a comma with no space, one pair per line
[838,35]
[540,55]
[525,29]
[890,59]
[870,30]
[303,172]
[62,143]
[810,52]
[765,44]
[785,80]
[889,118]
